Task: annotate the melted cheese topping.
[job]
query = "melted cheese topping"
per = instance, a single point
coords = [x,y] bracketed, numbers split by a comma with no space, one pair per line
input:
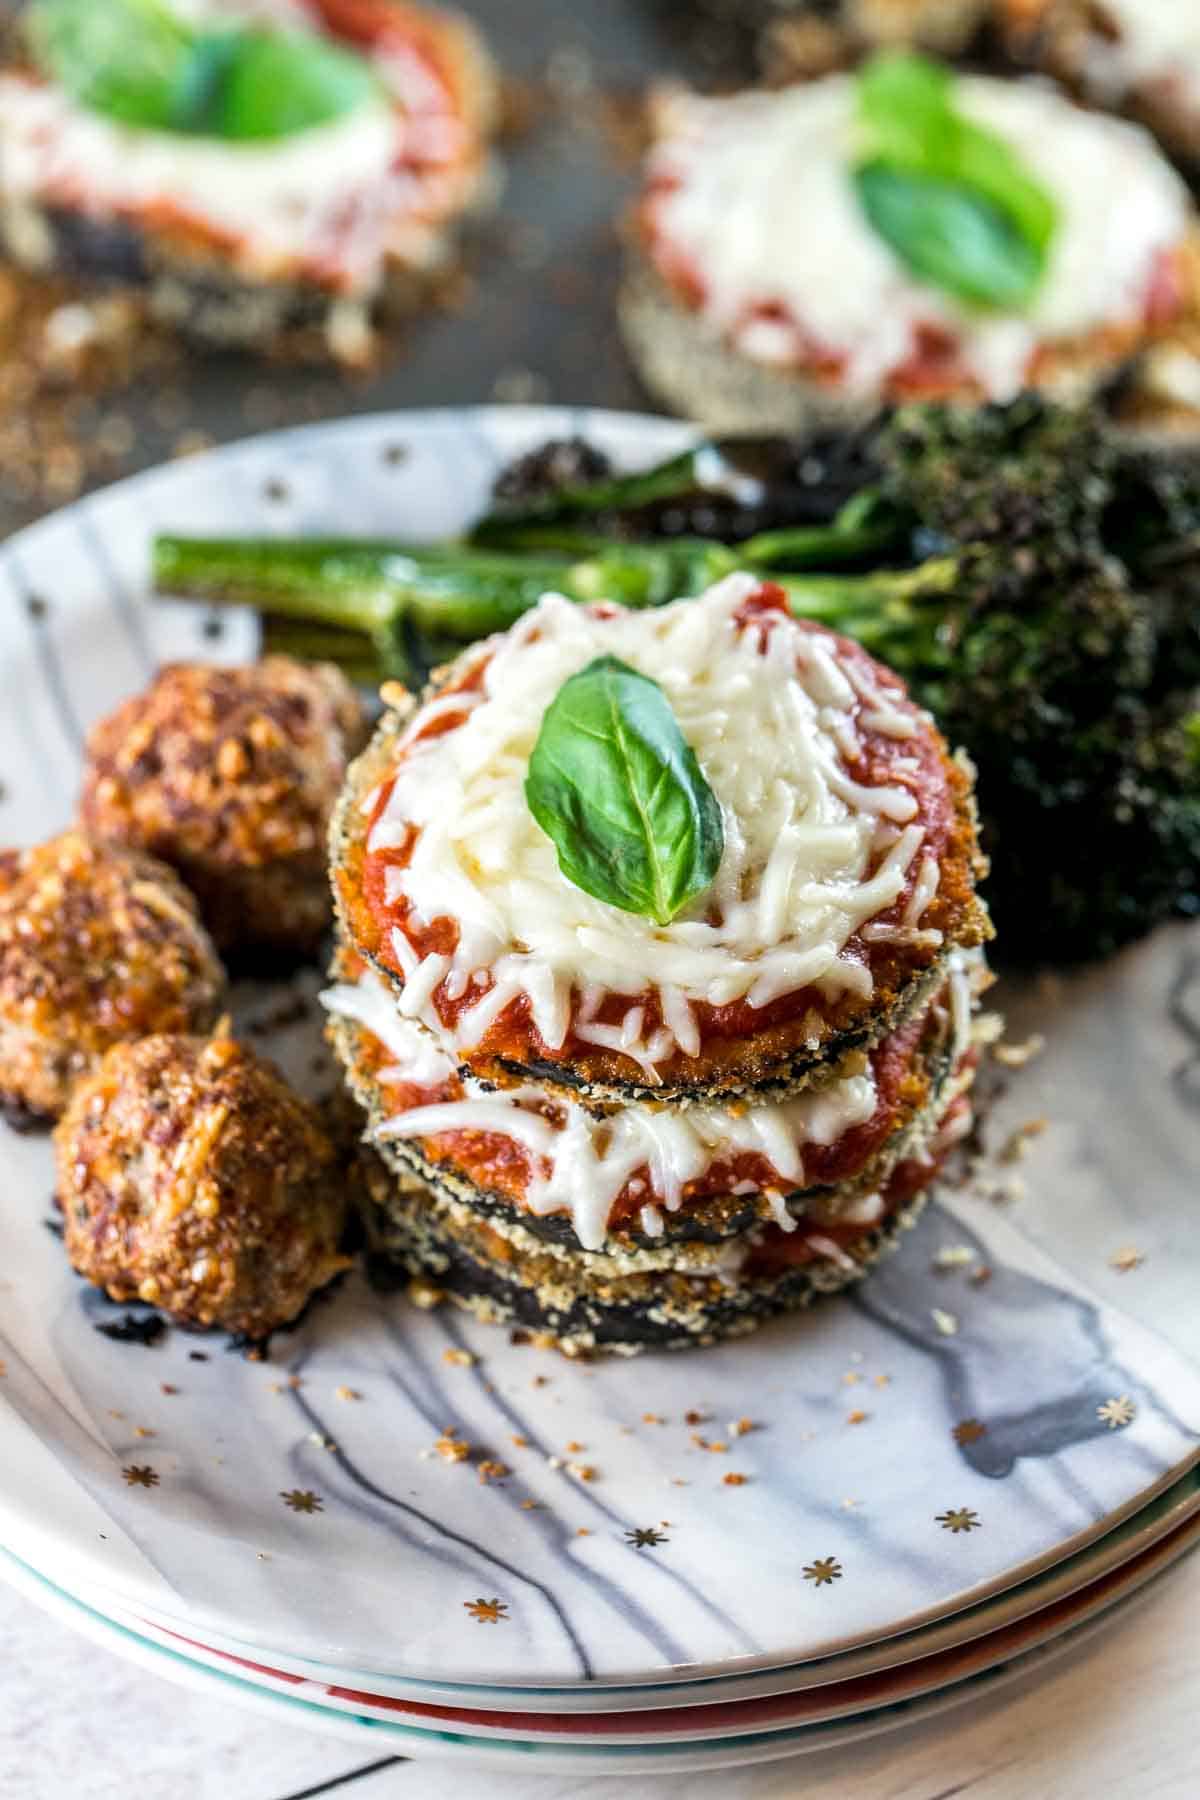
[314,200]
[752,195]
[811,854]
[581,1164]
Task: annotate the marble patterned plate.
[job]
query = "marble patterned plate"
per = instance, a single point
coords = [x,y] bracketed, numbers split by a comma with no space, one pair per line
[921,1445]
[577,1751]
[1163,1518]
[835,1699]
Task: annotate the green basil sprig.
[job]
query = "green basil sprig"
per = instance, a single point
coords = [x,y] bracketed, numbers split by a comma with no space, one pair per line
[621,796]
[137,62]
[951,198]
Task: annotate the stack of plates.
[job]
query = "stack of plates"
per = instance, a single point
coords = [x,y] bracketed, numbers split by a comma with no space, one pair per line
[945,1477]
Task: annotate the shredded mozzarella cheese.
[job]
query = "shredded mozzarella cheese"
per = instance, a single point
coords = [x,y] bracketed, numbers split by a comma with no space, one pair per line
[811,853]
[580,1164]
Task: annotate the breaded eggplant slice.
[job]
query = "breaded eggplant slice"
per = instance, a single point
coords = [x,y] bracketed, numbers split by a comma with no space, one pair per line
[867,1124]
[583,1306]
[774,1047]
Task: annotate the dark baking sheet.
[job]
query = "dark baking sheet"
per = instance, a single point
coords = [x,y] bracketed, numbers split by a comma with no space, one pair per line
[535,318]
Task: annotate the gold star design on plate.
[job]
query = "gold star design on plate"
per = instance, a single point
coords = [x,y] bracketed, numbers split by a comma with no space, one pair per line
[969,1431]
[1118,1412]
[824,1571]
[301,1500]
[140,1475]
[487,1612]
[959,1518]
[645,1538]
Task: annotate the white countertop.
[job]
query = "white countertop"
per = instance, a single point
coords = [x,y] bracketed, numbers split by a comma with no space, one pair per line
[1113,1720]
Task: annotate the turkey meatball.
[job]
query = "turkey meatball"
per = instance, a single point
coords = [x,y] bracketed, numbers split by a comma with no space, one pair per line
[230,775]
[192,1177]
[98,945]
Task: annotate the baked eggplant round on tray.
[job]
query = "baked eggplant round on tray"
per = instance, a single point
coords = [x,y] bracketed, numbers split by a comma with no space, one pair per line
[892,234]
[659,952]
[257,171]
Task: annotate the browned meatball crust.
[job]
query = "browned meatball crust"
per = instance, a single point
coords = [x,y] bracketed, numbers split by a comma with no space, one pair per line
[192,1177]
[230,775]
[98,945]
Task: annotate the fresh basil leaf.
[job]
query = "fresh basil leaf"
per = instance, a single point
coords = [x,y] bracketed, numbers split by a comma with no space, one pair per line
[950,236]
[620,794]
[128,59]
[281,82]
[136,62]
[913,129]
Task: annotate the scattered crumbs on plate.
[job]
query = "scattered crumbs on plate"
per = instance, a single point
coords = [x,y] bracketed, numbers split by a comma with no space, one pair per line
[532,1506]
[717,1446]
[263,1555]
[540,1381]
[1126,1258]
[491,1470]
[694,1418]
[851,1377]
[882,1381]
[144,1431]
[574,1449]
[857,1417]
[945,1322]
[954,1256]
[740,1427]
[981,1276]
[731,1478]
[295,1381]
[652,1419]
[678,1481]
[1015,1056]
[451,1448]
[969,1431]
[197,1355]
[1016,1144]
[462,1359]
[346,1393]
[114,1414]
[848,1505]
[424,1295]
[166,1387]
[522,1443]
[582,1471]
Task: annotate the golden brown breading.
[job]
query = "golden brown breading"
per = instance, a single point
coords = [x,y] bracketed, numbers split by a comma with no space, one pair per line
[98,945]
[230,775]
[192,1177]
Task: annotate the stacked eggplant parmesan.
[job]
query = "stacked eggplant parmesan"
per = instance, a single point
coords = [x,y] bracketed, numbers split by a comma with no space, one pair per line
[621,1132]
[256,169]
